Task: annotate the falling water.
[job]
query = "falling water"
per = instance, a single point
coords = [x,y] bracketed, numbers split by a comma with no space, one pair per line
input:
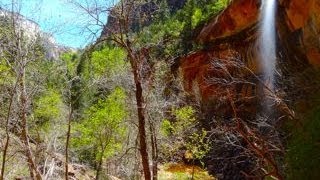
[267,43]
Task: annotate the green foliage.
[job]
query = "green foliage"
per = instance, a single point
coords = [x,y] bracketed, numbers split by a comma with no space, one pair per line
[4,68]
[109,60]
[303,149]
[48,106]
[6,75]
[166,127]
[157,32]
[198,144]
[71,61]
[185,118]
[5,28]
[102,129]
[51,74]
[219,5]
[181,133]
[204,11]
[173,31]
[184,127]
[185,114]
[197,17]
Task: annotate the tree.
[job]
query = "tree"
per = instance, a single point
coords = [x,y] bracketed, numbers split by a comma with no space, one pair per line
[137,57]
[128,28]
[183,132]
[19,50]
[102,129]
[71,92]
[107,61]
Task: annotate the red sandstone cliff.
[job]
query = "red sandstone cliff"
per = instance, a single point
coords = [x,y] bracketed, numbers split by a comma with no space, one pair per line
[234,33]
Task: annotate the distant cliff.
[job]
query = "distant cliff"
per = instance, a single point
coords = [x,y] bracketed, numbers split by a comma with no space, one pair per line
[142,15]
[32,30]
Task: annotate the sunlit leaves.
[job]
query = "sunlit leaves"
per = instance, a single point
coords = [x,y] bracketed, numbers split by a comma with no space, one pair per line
[183,133]
[185,118]
[103,128]
[196,17]
[219,5]
[5,73]
[108,61]
[71,61]
[198,144]
[204,11]
[48,106]
[166,127]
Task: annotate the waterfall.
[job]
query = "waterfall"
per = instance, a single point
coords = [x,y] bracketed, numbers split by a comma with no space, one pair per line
[267,43]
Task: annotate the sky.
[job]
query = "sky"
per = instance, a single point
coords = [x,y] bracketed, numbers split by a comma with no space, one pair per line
[63,20]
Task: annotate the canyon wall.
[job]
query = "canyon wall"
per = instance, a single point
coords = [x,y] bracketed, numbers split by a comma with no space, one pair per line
[233,34]
[228,64]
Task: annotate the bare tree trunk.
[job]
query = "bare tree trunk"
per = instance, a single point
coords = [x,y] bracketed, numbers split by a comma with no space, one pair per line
[20,54]
[154,151]
[192,175]
[34,173]
[68,142]
[141,119]
[99,166]
[142,131]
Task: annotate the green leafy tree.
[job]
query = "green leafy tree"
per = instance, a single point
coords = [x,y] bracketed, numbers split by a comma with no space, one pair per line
[18,50]
[184,119]
[198,145]
[102,129]
[48,107]
[108,61]
[181,133]
[71,61]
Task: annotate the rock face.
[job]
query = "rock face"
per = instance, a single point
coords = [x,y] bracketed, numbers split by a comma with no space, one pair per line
[142,14]
[33,31]
[234,33]
[230,55]
[237,17]
[30,28]
[228,59]
[302,16]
